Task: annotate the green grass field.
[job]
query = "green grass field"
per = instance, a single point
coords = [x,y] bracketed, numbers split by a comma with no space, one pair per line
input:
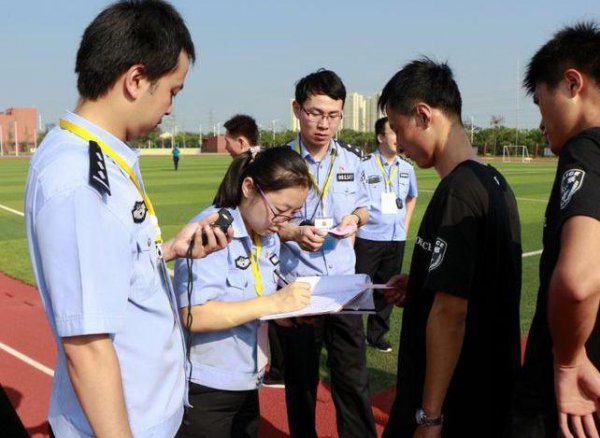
[178,196]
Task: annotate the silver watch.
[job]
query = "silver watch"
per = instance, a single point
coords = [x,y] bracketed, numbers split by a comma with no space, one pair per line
[425,420]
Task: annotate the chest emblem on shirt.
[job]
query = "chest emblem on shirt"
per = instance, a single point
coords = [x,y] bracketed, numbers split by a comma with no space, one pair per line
[139,212]
[345,177]
[439,251]
[571,181]
[242,262]
[274,260]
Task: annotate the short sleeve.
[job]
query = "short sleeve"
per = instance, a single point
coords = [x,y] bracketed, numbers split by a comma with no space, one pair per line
[454,251]
[86,257]
[208,278]
[412,183]
[362,195]
[579,178]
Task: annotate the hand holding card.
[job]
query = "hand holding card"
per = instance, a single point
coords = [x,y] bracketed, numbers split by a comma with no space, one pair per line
[341,232]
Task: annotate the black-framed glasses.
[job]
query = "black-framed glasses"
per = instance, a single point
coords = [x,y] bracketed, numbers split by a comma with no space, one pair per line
[317,116]
[278,218]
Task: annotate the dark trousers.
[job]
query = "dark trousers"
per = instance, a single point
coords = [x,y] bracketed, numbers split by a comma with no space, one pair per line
[276,368]
[344,339]
[176,162]
[220,414]
[10,423]
[380,260]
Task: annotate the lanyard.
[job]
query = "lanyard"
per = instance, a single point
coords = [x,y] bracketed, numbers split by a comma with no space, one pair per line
[86,135]
[321,192]
[388,179]
[254,256]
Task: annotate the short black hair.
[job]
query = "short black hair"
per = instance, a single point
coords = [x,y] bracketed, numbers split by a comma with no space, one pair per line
[380,127]
[322,81]
[130,32]
[576,46]
[242,124]
[423,80]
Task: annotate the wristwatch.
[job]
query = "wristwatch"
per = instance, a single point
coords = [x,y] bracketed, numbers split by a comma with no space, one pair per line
[425,420]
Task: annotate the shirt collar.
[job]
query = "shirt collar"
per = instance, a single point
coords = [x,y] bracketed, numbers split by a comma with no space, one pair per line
[238,225]
[385,162]
[131,156]
[307,156]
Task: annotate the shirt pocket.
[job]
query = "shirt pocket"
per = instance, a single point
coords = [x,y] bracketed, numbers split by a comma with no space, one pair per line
[145,280]
[344,194]
[238,286]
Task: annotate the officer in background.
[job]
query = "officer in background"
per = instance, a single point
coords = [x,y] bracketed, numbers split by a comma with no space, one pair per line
[94,238]
[241,133]
[337,198]
[392,187]
[175,153]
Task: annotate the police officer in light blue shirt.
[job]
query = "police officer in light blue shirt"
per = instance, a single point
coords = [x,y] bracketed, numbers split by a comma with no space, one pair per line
[308,249]
[392,187]
[223,296]
[95,242]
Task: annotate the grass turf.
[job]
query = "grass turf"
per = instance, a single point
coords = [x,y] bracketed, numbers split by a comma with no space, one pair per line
[178,196]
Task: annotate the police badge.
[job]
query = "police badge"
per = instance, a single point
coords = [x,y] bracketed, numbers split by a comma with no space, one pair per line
[139,212]
[571,181]
[439,251]
[242,262]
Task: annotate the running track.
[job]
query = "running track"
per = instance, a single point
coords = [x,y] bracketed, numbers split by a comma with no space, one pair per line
[27,355]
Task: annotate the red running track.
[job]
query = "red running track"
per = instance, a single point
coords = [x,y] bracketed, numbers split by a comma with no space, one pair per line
[24,328]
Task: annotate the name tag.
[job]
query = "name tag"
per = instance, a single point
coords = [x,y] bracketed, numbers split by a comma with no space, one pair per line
[345,177]
[404,175]
[388,203]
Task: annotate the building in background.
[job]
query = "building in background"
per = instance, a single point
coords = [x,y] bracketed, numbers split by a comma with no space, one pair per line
[18,128]
[214,143]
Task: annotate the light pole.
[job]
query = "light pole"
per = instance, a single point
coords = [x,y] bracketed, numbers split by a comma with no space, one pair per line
[472,129]
[16,134]
[273,132]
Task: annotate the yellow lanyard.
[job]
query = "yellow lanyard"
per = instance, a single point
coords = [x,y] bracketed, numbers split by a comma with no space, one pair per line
[255,264]
[83,133]
[388,180]
[321,192]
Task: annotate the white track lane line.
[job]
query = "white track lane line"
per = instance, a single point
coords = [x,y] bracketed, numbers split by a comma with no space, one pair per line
[29,361]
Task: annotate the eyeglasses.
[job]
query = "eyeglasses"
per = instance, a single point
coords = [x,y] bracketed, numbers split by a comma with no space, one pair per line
[277,217]
[316,116]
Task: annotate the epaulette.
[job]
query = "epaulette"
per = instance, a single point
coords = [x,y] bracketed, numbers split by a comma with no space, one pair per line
[367,157]
[354,149]
[402,157]
[98,174]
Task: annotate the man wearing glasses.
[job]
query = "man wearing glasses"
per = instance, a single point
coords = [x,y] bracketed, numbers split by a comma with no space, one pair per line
[336,199]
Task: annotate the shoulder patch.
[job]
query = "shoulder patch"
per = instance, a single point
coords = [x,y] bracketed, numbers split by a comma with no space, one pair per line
[439,251]
[98,174]
[354,149]
[571,181]
[367,157]
[139,211]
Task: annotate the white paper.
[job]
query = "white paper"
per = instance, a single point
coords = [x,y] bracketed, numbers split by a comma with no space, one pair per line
[330,294]
[388,203]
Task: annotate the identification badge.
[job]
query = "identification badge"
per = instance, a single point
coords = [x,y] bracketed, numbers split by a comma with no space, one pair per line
[388,203]
[324,223]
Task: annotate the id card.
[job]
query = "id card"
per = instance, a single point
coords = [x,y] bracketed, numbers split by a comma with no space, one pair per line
[324,223]
[388,203]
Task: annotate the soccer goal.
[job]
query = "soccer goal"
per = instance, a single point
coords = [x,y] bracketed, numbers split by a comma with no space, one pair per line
[518,153]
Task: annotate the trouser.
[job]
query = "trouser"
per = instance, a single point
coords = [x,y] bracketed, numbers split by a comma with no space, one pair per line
[176,162]
[220,414]
[344,339]
[9,420]
[380,260]
[277,367]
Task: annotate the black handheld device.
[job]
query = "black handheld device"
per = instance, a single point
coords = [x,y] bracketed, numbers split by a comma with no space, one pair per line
[223,222]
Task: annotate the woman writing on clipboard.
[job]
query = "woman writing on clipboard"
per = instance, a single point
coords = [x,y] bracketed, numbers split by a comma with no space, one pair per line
[223,295]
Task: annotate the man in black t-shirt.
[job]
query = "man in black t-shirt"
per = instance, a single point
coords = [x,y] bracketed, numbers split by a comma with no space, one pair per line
[559,385]
[460,342]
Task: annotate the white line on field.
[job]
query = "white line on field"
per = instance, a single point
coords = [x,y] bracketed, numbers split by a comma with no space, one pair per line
[17,212]
[532,253]
[29,361]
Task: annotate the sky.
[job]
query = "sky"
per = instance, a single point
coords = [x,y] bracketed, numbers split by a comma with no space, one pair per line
[251,53]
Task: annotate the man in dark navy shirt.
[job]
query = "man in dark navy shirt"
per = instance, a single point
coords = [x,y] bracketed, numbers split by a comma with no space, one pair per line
[460,343]
[559,386]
